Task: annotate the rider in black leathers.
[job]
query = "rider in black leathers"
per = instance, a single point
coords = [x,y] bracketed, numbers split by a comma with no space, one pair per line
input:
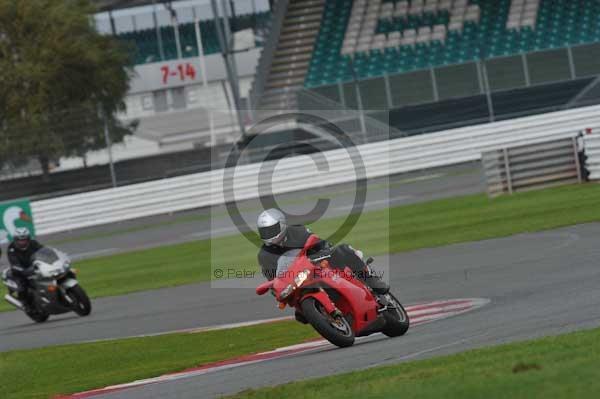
[278,238]
[19,253]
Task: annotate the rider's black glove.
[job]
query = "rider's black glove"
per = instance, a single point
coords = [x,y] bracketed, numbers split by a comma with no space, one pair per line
[25,272]
[320,255]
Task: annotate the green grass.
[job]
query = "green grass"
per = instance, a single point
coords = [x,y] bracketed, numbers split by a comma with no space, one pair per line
[562,367]
[42,373]
[127,230]
[403,228]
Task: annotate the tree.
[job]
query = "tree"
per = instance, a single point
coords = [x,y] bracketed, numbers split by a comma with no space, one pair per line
[59,80]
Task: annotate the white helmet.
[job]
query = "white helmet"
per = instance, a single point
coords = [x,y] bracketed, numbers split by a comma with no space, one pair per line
[22,238]
[272,226]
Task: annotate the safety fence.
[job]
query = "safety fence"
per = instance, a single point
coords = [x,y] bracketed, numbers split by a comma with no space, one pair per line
[531,167]
[300,172]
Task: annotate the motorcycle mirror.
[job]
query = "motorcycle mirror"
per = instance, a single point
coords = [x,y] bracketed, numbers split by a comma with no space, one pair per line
[312,240]
[264,287]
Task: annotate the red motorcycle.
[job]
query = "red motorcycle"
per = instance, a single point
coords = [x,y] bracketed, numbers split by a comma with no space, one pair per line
[337,304]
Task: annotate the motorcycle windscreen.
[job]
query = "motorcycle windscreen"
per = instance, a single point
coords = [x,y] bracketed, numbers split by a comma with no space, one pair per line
[46,255]
[285,261]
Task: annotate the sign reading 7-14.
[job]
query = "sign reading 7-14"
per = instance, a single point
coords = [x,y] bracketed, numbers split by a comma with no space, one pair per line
[178,72]
[15,214]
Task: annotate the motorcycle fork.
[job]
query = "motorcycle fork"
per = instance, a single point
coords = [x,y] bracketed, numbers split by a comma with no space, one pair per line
[324,300]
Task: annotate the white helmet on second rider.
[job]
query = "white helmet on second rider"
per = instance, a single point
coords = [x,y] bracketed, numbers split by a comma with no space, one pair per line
[272,226]
[22,238]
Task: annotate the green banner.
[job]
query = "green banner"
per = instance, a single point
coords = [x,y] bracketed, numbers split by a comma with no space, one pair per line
[12,215]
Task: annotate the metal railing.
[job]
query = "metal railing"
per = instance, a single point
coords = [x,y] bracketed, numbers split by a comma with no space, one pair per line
[486,78]
[530,167]
[298,173]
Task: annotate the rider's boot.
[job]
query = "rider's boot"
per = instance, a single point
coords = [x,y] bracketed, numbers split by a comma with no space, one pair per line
[26,301]
[346,255]
[372,280]
[375,282]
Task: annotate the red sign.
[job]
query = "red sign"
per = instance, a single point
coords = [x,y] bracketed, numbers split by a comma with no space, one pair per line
[182,72]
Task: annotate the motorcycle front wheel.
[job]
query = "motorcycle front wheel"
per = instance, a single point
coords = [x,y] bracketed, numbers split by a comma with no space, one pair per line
[336,330]
[81,302]
[37,315]
[396,318]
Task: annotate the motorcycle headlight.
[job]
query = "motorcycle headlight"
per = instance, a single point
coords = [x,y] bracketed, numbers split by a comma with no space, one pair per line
[301,277]
[286,291]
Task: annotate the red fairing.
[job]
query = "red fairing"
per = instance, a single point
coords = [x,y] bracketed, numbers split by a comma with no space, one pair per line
[311,242]
[355,298]
[336,290]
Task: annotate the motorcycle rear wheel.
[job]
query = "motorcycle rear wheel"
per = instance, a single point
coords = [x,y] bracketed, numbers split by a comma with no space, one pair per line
[335,330]
[397,321]
[82,305]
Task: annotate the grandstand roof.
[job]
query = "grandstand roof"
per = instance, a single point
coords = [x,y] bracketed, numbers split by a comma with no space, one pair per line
[106,5]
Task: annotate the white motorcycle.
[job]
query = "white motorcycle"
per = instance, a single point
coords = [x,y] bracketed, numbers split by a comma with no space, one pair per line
[53,287]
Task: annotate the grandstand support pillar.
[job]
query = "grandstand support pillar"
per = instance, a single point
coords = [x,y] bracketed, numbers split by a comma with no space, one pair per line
[488,93]
[526,70]
[111,164]
[436,93]
[480,77]
[177,38]
[161,50]
[361,112]
[341,94]
[175,25]
[112,23]
[230,44]
[388,91]
[200,50]
[571,63]
[359,103]
[229,67]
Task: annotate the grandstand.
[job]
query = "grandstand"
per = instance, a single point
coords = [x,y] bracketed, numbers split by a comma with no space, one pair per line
[385,37]
[430,65]
[466,61]
[463,61]
[417,65]
[319,44]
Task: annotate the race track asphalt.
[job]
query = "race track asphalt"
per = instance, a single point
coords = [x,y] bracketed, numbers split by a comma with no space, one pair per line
[538,283]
